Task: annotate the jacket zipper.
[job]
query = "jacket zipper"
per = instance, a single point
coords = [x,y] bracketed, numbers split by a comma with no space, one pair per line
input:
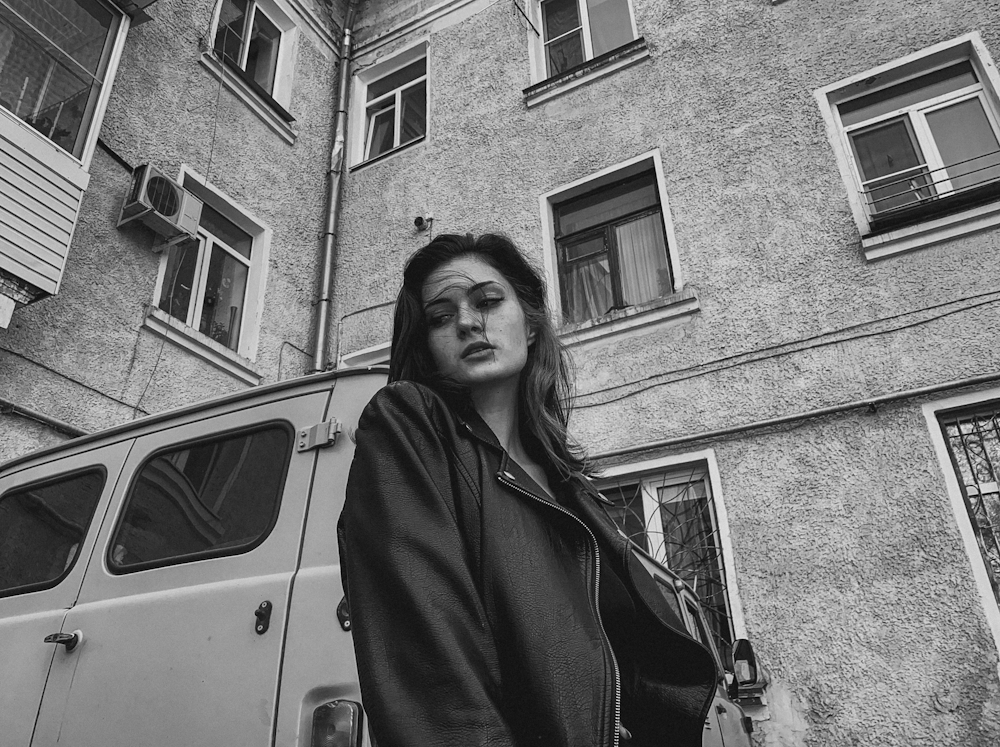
[597,602]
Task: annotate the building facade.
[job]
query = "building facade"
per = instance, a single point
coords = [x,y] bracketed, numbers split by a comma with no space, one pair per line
[231,104]
[770,232]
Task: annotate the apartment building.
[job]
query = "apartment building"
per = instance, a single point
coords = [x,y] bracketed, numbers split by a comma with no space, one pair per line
[127,290]
[770,231]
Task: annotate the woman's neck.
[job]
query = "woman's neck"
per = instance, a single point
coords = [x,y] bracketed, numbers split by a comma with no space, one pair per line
[497,406]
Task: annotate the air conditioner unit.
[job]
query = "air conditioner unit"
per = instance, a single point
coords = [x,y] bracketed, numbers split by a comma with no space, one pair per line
[162,204]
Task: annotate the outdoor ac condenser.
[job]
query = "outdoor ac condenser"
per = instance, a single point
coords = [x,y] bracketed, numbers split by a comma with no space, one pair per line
[162,204]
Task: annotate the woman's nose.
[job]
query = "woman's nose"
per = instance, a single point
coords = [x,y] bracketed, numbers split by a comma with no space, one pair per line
[469,320]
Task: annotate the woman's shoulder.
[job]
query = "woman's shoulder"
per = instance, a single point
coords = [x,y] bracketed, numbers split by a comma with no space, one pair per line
[405,402]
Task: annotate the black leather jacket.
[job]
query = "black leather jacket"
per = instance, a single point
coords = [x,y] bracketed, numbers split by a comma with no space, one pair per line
[485,613]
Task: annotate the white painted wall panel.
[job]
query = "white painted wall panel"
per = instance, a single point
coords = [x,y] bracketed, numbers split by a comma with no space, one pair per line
[41,187]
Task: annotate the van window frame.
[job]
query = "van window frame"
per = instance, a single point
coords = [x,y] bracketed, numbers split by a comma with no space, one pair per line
[43,482]
[119,570]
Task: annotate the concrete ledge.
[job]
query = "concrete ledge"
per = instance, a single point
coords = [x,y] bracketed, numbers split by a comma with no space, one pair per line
[243,92]
[630,320]
[586,72]
[187,338]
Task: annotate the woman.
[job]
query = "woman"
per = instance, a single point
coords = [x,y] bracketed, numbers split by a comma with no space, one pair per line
[493,601]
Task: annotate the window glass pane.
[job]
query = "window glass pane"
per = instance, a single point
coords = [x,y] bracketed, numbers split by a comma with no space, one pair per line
[691,546]
[670,594]
[381,129]
[262,55]
[51,54]
[178,280]
[413,119]
[229,37]
[398,79]
[610,24]
[886,149]
[208,499]
[642,259]
[559,17]
[223,228]
[225,291]
[606,204]
[42,528]
[587,290]
[627,513]
[966,142]
[890,150]
[909,93]
[564,53]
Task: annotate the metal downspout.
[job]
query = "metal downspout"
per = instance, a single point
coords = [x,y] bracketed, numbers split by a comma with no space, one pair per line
[333,197]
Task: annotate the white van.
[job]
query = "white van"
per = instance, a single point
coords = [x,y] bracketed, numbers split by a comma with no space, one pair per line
[176,580]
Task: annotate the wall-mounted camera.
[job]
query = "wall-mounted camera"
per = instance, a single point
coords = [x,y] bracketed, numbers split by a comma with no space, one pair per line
[423,222]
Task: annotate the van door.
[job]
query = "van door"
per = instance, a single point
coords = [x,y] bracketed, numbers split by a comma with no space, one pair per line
[183,607]
[49,515]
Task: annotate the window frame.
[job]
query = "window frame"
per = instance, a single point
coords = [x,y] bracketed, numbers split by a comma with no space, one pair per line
[279,97]
[652,471]
[118,570]
[362,124]
[538,57]
[238,362]
[111,59]
[940,218]
[44,482]
[934,413]
[679,302]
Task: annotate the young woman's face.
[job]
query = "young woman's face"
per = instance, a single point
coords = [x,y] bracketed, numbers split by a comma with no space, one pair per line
[477,332]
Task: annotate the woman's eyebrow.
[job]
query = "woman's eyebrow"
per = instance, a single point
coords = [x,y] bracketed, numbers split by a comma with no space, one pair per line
[469,291]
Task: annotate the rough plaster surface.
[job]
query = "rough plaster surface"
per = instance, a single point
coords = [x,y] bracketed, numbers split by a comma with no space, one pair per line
[83,356]
[856,588]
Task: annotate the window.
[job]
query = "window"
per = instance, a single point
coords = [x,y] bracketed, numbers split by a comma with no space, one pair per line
[396,109]
[213,498]
[672,515]
[206,279]
[919,140]
[928,138]
[612,248]
[42,528]
[574,31]
[249,40]
[394,115]
[209,290]
[54,64]
[973,441]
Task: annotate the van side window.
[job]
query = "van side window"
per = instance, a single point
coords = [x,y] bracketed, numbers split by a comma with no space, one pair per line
[212,498]
[41,529]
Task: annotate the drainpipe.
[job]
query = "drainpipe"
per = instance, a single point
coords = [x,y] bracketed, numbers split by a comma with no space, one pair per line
[333,197]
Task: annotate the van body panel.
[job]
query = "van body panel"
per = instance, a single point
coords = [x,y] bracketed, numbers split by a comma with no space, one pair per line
[173,651]
[26,618]
[319,654]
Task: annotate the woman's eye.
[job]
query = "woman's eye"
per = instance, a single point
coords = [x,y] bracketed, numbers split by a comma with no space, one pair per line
[487,302]
[438,320]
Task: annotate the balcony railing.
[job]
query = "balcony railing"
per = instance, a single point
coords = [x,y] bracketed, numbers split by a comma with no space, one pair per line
[920,192]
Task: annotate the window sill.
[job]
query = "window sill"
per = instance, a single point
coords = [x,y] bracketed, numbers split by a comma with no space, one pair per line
[927,233]
[387,154]
[586,72]
[162,324]
[625,321]
[266,109]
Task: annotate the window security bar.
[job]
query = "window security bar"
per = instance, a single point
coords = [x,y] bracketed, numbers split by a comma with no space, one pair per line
[923,188]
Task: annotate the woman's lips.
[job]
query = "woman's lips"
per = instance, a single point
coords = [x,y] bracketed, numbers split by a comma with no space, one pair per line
[476,347]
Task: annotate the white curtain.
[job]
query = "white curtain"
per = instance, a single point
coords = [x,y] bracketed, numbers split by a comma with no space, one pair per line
[642,258]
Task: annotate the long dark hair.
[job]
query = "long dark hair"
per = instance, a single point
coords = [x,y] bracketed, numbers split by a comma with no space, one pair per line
[544,391]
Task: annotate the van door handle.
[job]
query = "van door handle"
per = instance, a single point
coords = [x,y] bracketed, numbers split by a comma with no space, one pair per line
[69,640]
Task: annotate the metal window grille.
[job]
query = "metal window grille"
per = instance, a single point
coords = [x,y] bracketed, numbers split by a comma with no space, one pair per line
[973,440]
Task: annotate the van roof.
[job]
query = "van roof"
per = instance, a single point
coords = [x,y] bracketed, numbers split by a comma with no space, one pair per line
[312,382]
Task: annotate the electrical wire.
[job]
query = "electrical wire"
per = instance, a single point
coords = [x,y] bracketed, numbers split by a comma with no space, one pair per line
[740,359]
[60,374]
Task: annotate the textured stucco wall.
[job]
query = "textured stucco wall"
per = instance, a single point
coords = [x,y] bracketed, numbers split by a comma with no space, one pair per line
[856,588]
[82,356]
